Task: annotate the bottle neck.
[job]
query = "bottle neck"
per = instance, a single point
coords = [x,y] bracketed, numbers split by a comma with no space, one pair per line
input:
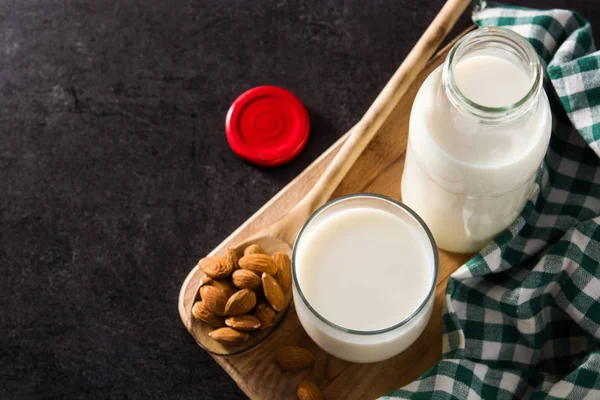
[502,43]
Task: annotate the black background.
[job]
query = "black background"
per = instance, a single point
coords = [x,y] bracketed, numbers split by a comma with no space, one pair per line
[115,175]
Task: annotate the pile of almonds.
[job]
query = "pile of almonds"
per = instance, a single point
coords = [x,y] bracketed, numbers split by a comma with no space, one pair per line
[238,296]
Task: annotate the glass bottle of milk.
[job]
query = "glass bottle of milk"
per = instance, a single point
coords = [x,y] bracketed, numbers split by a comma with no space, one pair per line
[479,129]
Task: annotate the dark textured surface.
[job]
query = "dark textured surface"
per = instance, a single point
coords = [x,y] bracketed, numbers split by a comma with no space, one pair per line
[115,175]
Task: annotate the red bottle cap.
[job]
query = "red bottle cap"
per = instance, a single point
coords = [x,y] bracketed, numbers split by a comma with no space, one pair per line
[267,125]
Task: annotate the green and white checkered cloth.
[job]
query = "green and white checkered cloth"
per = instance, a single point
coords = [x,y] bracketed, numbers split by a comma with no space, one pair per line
[522,318]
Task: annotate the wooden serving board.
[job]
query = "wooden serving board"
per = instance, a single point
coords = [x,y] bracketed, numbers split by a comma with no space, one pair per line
[378,170]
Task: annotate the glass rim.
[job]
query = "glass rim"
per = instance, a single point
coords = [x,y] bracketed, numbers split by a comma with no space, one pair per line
[518,41]
[403,207]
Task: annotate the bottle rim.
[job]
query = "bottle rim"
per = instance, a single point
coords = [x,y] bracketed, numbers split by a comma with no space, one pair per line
[505,40]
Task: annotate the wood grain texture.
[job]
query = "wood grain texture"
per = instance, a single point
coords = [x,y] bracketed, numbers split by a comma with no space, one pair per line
[377,170]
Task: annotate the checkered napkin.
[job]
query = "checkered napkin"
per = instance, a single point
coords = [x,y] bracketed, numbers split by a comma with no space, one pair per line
[522,318]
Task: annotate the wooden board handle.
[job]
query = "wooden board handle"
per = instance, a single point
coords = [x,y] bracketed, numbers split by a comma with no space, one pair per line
[367,127]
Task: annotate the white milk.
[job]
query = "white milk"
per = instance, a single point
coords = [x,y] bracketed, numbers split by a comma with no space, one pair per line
[363,269]
[467,177]
[357,260]
[491,81]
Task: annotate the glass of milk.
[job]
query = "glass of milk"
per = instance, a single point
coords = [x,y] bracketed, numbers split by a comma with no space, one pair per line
[364,270]
[479,129]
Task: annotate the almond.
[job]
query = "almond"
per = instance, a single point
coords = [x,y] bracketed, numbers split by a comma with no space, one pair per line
[284,270]
[254,249]
[214,267]
[245,279]
[214,299]
[259,263]
[265,314]
[293,358]
[229,336]
[240,302]
[224,285]
[231,259]
[273,292]
[206,280]
[307,390]
[201,313]
[243,322]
